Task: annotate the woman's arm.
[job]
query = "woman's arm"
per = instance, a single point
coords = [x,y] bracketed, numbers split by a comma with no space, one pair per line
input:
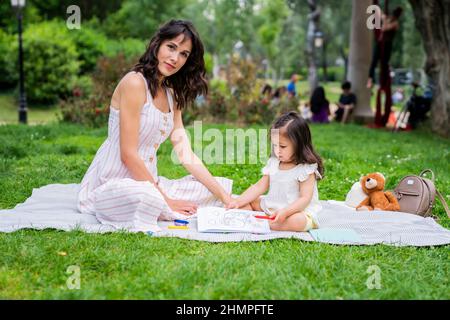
[191,162]
[306,193]
[132,98]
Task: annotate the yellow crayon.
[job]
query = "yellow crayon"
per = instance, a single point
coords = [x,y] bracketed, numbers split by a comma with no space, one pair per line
[179,227]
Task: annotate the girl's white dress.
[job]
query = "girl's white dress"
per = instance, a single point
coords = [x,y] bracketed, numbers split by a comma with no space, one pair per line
[109,192]
[284,187]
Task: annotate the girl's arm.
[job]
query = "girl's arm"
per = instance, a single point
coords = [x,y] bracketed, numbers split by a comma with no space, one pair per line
[306,193]
[191,162]
[253,192]
[132,98]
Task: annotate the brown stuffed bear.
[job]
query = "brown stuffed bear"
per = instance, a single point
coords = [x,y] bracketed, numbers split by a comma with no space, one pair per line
[373,185]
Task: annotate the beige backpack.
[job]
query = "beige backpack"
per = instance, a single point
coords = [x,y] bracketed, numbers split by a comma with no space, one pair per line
[416,194]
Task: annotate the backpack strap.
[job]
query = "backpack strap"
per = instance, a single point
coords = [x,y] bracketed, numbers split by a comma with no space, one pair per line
[425,171]
[441,198]
[439,195]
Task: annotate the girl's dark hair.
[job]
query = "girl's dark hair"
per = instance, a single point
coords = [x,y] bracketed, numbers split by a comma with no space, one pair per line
[318,97]
[298,132]
[190,81]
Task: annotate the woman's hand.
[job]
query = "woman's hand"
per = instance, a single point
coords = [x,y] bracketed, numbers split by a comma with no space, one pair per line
[182,206]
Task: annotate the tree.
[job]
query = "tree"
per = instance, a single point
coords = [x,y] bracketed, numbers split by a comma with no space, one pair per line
[433,22]
[359,59]
[313,27]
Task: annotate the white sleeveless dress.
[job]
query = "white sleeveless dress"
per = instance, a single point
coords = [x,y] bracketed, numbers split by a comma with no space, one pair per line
[109,192]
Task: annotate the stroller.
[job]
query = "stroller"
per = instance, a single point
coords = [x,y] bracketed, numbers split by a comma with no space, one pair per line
[416,108]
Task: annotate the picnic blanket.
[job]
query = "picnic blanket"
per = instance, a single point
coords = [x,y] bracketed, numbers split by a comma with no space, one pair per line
[54,206]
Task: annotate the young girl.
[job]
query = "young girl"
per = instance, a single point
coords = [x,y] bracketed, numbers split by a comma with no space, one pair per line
[290,175]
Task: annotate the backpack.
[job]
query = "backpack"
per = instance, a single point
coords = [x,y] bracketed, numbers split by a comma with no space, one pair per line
[416,194]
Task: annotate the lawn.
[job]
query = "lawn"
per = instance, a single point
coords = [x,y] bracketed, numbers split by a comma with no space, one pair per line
[33,264]
[37,114]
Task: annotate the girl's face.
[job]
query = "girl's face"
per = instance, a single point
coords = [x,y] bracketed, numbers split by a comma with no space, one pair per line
[173,54]
[283,147]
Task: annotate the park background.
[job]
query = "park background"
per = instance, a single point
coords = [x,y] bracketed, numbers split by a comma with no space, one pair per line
[70,75]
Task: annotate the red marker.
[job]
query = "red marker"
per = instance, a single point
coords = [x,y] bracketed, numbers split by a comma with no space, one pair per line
[264,217]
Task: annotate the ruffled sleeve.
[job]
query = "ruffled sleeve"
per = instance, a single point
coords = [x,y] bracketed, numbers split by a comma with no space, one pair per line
[271,166]
[305,170]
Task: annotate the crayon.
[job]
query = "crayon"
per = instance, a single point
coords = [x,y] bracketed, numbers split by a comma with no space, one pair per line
[178,227]
[179,222]
[264,217]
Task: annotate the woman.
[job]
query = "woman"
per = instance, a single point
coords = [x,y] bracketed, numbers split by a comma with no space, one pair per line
[320,107]
[122,187]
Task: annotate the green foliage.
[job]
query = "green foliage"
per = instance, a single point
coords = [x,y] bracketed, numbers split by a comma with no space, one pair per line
[8,61]
[90,99]
[90,45]
[141,18]
[50,63]
[129,47]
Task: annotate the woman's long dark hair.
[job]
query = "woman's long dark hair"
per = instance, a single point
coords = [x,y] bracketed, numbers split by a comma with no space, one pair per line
[189,82]
[298,132]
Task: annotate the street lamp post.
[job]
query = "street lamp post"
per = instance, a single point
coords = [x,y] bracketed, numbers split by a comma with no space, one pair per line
[18,5]
[319,42]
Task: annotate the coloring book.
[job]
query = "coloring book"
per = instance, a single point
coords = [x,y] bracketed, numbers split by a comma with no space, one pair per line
[217,219]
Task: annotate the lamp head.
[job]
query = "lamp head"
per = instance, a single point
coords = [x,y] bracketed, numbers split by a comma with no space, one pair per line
[18,3]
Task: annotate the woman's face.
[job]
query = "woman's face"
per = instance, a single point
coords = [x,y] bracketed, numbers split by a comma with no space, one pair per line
[173,54]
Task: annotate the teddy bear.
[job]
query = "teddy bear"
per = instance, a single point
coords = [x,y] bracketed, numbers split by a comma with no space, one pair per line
[377,199]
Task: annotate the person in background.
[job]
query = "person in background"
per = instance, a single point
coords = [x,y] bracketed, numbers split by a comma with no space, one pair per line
[346,104]
[279,93]
[319,106]
[291,90]
[390,27]
[266,93]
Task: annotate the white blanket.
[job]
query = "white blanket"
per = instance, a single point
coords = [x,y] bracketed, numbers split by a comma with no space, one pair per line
[54,206]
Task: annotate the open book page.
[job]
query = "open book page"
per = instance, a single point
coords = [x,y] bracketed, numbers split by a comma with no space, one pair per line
[217,219]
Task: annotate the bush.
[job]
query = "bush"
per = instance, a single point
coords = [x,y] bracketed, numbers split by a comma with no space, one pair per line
[92,108]
[50,61]
[129,47]
[8,61]
[334,73]
[90,45]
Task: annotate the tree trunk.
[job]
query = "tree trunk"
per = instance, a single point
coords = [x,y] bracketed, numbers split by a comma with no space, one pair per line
[313,24]
[359,60]
[433,22]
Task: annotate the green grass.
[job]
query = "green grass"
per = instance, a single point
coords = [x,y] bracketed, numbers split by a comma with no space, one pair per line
[135,266]
[37,114]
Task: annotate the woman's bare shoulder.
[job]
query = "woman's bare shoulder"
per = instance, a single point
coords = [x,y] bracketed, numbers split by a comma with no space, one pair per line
[131,85]
[132,81]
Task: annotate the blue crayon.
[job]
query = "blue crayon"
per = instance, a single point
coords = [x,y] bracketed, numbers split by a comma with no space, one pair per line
[179,222]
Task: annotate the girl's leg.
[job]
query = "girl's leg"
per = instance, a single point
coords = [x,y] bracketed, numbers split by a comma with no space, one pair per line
[297,222]
[256,204]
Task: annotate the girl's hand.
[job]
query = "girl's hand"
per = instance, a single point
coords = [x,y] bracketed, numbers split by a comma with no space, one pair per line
[233,204]
[227,200]
[182,206]
[279,215]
